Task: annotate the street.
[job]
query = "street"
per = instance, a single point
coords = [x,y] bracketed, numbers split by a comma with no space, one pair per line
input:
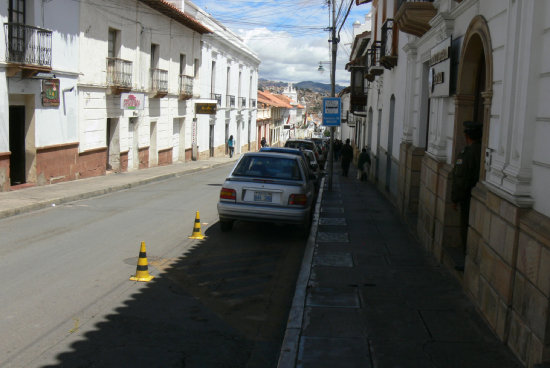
[218,302]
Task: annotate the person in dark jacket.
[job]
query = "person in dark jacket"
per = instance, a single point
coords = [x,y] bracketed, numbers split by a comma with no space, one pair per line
[466,175]
[347,155]
[363,165]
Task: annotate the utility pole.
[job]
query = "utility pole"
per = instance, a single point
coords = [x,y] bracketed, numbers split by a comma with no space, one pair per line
[334,40]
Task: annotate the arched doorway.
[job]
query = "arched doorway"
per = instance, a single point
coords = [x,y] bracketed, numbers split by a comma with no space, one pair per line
[474,85]
[473,100]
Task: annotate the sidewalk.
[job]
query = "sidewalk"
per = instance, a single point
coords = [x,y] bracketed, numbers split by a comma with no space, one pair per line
[34,198]
[368,295]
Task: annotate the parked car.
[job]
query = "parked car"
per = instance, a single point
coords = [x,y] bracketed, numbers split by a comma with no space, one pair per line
[268,187]
[323,149]
[303,144]
[307,155]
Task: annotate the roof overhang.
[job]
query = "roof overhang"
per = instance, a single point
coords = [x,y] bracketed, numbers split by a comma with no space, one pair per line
[171,11]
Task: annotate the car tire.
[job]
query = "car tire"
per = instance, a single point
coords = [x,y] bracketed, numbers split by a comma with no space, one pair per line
[226,226]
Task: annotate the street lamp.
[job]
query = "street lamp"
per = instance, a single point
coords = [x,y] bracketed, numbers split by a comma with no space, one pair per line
[321,69]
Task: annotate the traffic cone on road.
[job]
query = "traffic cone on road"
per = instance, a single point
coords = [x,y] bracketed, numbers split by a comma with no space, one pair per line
[197,228]
[142,271]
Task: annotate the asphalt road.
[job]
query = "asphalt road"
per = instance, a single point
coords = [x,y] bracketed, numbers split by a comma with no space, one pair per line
[218,302]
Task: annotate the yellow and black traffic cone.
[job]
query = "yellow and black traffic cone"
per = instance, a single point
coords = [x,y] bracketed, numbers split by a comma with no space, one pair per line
[142,272]
[197,228]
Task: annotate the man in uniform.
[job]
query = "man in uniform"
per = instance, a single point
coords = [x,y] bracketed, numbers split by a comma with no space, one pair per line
[466,174]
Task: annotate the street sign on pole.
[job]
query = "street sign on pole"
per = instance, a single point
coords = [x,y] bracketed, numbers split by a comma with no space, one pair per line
[332,111]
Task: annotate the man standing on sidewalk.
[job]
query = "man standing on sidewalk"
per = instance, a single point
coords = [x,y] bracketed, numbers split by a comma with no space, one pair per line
[347,156]
[466,175]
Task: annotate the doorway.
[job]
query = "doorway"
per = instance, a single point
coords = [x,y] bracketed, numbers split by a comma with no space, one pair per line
[133,158]
[178,146]
[113,145]
[390,144]
[211,140]
[17,145]
[153,153]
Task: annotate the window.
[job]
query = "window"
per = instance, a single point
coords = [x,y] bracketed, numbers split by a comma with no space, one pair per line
[213,78]
[17,11]
[113,37]
[182,64]
[196,68]
[154,56]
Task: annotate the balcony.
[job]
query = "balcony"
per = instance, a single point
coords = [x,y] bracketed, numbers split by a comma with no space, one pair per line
[413,16]
[186,87]
[373,64]
[119,75]
[358,102]
[28,49]
[388,52]
[217,97]
[242,102]
[159,83]
[230,101]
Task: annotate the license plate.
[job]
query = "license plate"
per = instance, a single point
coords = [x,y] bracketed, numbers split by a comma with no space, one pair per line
[262,197]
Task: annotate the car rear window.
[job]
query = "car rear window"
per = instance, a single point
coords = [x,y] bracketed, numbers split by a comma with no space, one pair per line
[268,167]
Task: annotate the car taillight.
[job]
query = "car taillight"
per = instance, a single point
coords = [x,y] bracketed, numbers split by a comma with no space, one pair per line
[227,193]
[297,199]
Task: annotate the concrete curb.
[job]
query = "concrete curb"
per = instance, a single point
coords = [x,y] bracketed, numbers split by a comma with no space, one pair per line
[289,347]
[106,190]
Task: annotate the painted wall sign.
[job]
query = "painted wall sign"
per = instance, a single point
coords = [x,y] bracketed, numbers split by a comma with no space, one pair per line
[50,92]
[132,101]
[440,69]
[207,108]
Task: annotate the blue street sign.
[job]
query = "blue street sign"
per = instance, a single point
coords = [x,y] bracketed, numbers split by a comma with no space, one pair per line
[332,111]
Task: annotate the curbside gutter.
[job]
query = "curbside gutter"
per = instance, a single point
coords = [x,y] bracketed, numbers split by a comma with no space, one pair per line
[290,345]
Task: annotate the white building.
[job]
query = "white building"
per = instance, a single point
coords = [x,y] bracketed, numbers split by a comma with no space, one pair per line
[229,75]
[38,100]
[487,61]
[92,86]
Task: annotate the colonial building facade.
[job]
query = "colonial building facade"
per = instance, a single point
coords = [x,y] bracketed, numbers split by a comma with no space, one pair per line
[430,66]
[91,87]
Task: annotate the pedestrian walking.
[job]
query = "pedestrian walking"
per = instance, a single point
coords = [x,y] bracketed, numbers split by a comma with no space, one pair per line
[363,165]
[263,142]
[347,155]
[466,175]
[231,145]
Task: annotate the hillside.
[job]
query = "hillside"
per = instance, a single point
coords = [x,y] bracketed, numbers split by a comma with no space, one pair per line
[309,93]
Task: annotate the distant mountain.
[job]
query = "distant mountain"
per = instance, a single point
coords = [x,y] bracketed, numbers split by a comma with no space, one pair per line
[317,87]
[308,85]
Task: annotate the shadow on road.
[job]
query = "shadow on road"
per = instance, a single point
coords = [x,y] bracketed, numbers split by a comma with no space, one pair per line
[222,303]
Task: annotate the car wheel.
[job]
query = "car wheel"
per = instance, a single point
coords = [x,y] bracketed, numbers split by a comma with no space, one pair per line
[226,225]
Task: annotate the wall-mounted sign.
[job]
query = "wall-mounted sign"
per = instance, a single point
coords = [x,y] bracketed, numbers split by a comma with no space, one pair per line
[132,101]
[332,111]
[50,92]
[208,108]
[440,69]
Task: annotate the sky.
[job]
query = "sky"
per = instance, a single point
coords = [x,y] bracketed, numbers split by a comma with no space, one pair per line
[290,36]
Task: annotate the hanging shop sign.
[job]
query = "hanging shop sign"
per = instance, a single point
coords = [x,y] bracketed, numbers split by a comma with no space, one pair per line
[50,92]
[207,108]
[440,69]
[132,101]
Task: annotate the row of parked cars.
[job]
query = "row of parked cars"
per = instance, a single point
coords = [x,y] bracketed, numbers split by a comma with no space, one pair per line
[276,184]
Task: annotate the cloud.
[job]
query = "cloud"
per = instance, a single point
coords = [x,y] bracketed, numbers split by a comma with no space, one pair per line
[289,36]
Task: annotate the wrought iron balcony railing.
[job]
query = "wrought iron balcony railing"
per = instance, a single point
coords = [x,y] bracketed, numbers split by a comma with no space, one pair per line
[119,73]
[242,102]
[28,45]
[185,87]
[413,16]
[217,97]
[388,52]
[230,101]
[374,67]
[159,82]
